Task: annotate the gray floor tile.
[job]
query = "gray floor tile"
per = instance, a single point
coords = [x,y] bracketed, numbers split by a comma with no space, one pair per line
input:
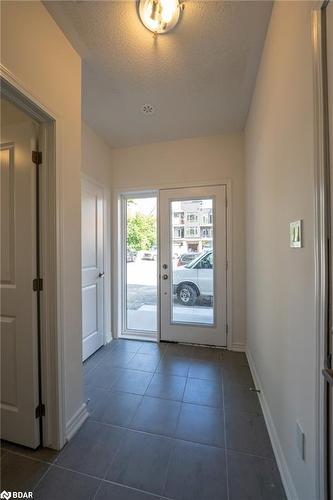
[205,369]
[91,449]
[234,358]
[158,416]
[109,491]
[103,376]
[238,374]
[93,395]
[179,349]
[207,353]
[118,358]
[116,408]
[201,424]
[61,484]
[145,362]
[167,386]
[134,381]
[94,360]
[247,433]
[41,454]
[153,348]
[20,473]
[125,345]
[174,364]
[196,472]
[253,478]
[141,462]
[203,392]
[239,398]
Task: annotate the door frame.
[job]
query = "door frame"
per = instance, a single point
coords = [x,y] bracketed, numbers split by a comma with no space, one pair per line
[322,239]
[107,239]
[51,229]
[116,226]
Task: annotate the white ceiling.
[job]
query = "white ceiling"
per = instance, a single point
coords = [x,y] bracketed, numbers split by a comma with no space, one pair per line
[200,76]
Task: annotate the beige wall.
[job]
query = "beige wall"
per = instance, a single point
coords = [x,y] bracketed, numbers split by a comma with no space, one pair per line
[96,166]
[205,159]
[281,331]
[96,156]
[38,55]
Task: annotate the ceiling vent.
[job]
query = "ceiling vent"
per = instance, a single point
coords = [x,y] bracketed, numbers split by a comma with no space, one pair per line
[147,109]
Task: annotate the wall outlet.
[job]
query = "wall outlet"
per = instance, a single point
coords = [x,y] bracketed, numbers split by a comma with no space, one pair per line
[300,437]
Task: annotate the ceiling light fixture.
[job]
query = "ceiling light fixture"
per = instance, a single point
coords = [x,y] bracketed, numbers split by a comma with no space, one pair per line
[160,16]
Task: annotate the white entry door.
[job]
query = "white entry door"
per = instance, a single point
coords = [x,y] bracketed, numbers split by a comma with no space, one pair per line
[92,268]
[193,265]
[18,316]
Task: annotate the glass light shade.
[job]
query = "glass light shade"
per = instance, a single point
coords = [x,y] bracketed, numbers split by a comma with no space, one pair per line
[159,16]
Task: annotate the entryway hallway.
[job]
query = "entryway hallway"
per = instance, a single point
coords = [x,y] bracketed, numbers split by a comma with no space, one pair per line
[167,421]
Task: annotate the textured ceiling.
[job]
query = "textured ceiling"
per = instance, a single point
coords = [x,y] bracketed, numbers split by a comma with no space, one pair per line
[199,77]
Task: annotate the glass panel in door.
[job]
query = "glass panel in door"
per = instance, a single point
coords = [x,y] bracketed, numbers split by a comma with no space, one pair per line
[140,276]
[192,263]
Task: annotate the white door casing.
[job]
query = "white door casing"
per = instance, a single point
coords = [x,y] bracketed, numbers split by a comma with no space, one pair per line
[92,268]
[19,359]
[214,334]
[329,48]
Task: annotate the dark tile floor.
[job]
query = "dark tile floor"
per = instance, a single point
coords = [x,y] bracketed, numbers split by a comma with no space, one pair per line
[167,421]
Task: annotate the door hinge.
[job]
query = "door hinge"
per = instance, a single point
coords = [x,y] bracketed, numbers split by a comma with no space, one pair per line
[40,411]
[37,157]
[37,285]
[328,362]
[227,328]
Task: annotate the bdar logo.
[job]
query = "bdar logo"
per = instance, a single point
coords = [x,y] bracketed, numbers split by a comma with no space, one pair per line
[5,494]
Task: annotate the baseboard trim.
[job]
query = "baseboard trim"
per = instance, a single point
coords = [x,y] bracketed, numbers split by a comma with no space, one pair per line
[238,346]
[78,419]
[277,448]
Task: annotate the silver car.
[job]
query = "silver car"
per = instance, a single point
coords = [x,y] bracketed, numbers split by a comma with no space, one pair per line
[195,279]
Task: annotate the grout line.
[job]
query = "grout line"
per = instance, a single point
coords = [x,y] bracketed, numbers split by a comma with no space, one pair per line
[136,489]
[34,459]
[41,478]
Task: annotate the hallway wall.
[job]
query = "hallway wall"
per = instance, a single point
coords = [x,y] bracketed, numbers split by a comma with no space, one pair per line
[42,60]
[281,332]
[203,159]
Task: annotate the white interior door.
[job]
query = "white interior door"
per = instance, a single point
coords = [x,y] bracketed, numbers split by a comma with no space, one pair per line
[92,268]
[194,295]
[18,320]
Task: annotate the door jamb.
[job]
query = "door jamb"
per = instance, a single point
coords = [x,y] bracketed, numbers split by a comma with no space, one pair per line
[52,327]
[322,242]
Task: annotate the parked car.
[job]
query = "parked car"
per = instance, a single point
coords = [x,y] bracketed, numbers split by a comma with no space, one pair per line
[131,255]
[185,258]
[195,279]
[150,254]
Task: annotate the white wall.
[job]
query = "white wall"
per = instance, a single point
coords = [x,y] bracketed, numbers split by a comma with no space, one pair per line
[96,166]
[281,333]
[38,55]
[204,159]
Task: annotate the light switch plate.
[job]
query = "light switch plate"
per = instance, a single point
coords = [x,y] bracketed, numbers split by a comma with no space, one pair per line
[295,234]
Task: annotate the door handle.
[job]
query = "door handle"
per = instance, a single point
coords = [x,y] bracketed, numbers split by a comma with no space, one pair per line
[165,276]
[101,275]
